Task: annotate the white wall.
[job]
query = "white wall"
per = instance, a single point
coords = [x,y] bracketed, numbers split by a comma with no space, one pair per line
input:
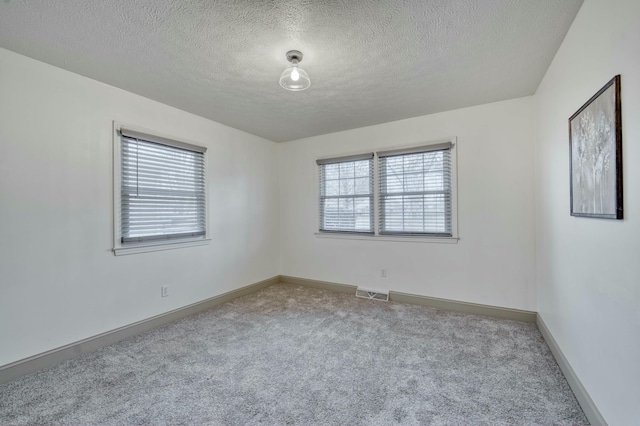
[60,282]
[588,270]
[493,263]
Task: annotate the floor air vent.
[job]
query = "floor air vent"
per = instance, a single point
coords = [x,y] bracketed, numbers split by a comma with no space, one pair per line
[366,293]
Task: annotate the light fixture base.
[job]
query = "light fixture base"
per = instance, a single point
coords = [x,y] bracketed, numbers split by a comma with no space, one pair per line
[294,55]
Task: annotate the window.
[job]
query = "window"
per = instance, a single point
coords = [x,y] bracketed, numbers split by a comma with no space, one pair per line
[414,192]
[346,194]
[161,193]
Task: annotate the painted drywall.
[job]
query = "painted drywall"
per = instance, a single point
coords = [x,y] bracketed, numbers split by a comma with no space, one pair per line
[588,271]
[60,281]
[493,262]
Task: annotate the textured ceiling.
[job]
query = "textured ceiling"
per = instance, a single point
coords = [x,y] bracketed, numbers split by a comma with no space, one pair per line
[370,61]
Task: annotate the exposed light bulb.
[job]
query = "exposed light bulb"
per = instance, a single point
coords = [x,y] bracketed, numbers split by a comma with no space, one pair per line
[294,78]
[295,75]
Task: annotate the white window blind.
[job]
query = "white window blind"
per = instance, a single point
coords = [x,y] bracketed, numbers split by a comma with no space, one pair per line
[346,194]
[162,194]
[415,191]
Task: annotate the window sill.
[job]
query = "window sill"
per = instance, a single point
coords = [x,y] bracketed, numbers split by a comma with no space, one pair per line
[144,248]
[390,238]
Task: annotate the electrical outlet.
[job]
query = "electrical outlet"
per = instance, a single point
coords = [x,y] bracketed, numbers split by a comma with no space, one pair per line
[164,290]
[383,273]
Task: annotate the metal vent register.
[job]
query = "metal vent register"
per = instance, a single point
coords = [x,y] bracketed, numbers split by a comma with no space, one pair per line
[367,293]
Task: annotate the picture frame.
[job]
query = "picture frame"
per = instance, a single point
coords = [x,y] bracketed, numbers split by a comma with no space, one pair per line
[595,155]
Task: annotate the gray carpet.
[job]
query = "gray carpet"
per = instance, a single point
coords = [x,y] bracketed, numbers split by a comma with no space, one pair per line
[295,355]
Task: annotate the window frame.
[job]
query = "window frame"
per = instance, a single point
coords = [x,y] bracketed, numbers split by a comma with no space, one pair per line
[416,238]
[322,184]
[152,245]
[385,161]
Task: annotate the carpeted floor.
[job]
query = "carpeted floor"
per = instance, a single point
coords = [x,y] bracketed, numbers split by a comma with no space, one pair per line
[295,355]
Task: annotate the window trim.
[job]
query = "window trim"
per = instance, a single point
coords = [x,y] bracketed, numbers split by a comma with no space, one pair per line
[376,236]
[157,245]
[383,158]
[369,156]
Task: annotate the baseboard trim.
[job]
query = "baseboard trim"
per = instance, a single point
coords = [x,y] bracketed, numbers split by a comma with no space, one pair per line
[50,358]
[325,285]
[414,299]
[588,406]
[464,307]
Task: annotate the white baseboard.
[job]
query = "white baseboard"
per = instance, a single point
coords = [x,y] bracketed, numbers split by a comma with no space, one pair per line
[583,397]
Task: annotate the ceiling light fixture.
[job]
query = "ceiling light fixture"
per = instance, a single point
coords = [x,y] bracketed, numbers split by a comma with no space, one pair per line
[294,78]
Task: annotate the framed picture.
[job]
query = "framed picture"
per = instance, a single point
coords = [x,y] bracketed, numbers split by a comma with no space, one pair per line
[595,153]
